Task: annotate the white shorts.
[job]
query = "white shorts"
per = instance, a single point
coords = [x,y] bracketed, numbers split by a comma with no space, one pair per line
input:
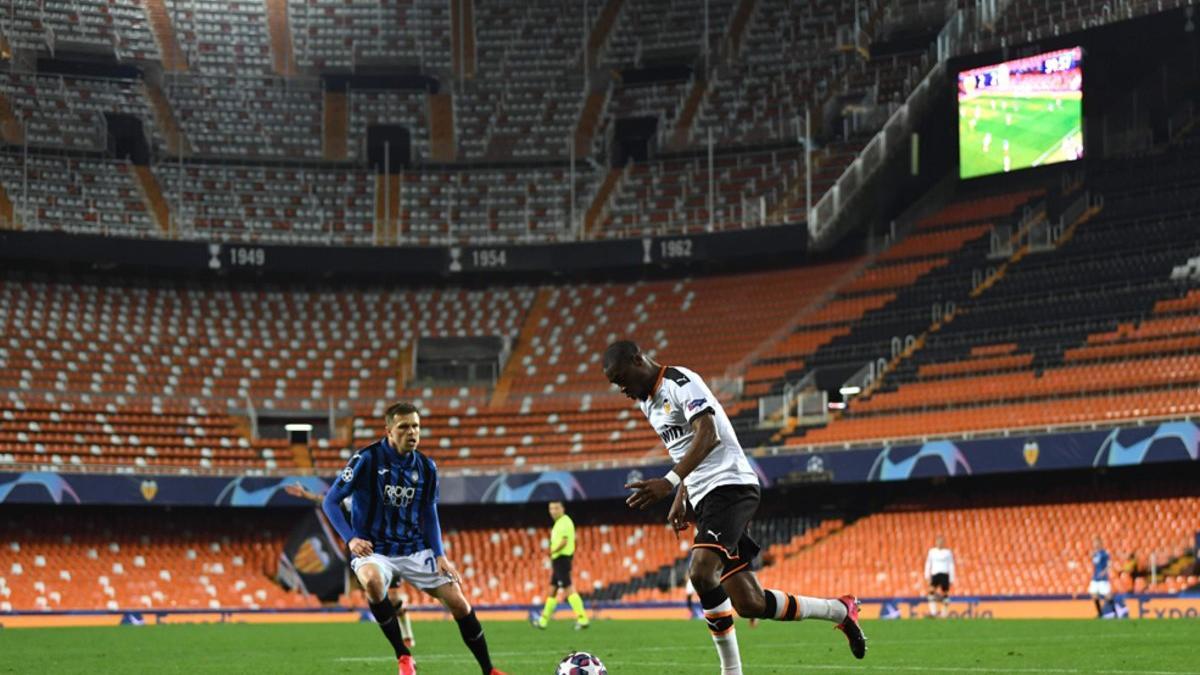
[418,569]
[1100,588]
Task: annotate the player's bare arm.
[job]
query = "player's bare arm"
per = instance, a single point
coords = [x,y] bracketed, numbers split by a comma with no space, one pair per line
[647,492]
[680,516]
[298,490]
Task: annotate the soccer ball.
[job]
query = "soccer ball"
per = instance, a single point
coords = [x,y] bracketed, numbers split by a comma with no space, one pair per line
[581,663]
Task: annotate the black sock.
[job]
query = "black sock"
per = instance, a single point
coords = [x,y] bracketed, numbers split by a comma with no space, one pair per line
[1099,607]
[472,636]
[385,615]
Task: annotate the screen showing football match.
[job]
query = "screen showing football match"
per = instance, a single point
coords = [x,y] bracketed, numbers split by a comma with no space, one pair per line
[1021,113]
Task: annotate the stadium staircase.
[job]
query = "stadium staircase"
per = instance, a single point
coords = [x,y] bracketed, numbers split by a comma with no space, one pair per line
[521,347]
[602,29]
[8,214]
[167,122]
[442,146]
[152,195]
[462,42]
[10,127]
[602,200]
[387,209]
[283,56]
[173,59]
[336,113]
[731,45]
[687,115]
[589,119]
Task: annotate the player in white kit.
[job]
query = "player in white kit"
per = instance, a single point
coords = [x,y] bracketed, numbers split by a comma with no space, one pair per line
[939,572]
[719,490]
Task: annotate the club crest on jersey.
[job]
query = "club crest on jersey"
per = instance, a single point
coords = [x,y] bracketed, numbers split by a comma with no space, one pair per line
[667,407]
[399,495]
[696,403]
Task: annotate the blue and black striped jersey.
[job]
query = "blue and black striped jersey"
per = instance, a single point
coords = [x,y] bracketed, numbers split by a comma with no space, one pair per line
[394,500]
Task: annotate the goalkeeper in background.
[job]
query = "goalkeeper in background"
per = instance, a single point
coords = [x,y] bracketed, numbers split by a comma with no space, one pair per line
[562,553]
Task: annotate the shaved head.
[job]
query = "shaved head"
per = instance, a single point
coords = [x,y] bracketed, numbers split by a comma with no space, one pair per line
[634,373]
[620,352]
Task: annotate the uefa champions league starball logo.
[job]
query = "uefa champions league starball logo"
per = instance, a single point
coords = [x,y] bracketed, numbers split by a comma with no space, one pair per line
[580,663]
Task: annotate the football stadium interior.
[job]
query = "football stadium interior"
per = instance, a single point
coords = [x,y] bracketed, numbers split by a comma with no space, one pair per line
[938,261]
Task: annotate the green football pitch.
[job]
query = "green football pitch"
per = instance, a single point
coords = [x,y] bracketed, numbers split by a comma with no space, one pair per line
[1028,130]
[627,648]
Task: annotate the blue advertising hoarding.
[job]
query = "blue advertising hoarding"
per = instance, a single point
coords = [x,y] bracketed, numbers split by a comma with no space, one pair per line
[1115,447]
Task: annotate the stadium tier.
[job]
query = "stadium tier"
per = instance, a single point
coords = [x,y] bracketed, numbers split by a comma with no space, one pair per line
[245,82]
[1000,549]
[135,559]
[160,349]
[507,566]
[138,560]
[1029,335]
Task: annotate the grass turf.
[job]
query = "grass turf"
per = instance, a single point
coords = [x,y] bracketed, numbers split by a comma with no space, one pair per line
[1035,128]
[626,647]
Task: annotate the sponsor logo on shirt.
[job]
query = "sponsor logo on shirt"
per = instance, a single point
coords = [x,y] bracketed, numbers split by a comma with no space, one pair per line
[399,495]
[696,403]
[670,434]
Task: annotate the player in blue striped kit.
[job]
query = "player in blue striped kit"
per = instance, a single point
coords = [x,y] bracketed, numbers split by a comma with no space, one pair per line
[394,532]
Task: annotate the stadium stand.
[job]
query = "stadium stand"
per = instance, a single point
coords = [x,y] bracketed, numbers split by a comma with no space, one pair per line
[486,206]
[1001,548]
[77,195]
[989,363]
[374,107]
[555,408]
[270,203]
[222,37]
[116,27]
[524,101]
[510,566]
[333,36]
[59,112]
[528,89]
[245,116]
[137,559]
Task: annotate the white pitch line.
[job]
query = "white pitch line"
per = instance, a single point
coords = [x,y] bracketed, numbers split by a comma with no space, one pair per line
[1054,147]
[793,666]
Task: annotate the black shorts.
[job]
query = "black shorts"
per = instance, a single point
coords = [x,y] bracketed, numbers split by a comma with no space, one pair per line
[941,582]
[560,571]
[722,517]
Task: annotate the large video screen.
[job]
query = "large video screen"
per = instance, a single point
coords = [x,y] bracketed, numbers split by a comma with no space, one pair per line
[1021,113]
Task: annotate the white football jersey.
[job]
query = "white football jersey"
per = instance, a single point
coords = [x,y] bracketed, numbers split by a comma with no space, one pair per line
[939,561]
[679,397]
